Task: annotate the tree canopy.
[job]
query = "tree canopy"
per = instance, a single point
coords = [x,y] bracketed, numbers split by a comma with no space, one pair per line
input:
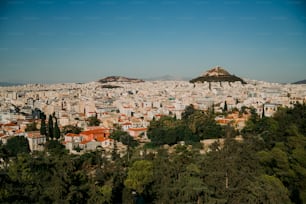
[267,166]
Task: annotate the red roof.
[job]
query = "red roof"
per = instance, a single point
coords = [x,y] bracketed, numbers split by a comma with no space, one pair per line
[72,135]
[137,129]
[34,134]
[95,131]
[10,124]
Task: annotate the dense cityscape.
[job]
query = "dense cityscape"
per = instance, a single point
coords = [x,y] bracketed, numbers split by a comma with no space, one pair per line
[162,102]
[116,135]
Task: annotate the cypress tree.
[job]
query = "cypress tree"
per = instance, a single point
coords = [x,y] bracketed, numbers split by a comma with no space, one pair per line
[263,111]
[43,128]
[50,127]
[225,106]
[57,132]
[115,154]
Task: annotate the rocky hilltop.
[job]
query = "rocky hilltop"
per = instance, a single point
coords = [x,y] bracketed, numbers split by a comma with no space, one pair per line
[217,74]
[119,79]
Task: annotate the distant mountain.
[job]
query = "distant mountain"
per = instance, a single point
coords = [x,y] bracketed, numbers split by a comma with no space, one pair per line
[168,78]
[119,79]
[217,74]
[300,82]
[10,84]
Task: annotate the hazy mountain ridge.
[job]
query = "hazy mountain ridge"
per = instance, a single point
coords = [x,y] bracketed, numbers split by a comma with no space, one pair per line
[168,77]
[10,84]
[300,82]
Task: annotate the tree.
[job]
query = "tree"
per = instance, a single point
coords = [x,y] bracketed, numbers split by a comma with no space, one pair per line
[93,121]
[57,132]
[115,154]
[71,129]
[54,146]
[31,127]
[50,127]
[17,145]
[43,128]
[189,110]
[124,137]
[140,175]
[225,107]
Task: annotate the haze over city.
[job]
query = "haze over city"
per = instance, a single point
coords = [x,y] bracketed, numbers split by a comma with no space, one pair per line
[81,41]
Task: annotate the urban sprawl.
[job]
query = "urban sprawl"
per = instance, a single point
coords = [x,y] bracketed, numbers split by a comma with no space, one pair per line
[131,106]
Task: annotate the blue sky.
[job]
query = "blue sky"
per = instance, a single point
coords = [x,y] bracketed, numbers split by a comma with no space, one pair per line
[46,41]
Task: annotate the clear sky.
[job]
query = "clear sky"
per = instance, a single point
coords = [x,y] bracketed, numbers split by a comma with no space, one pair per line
[47,41]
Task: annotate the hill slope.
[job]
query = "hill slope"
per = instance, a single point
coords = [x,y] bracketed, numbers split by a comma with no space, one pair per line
[217,74]
[119,79]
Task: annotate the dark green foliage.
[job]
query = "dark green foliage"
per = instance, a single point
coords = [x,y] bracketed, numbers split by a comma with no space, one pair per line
[17,145]
[225,107]
[228,78]
[109,86]
[71,129]
[115,155]
[93,121]
[50,128]
[43,127]
[55,147]
[31,127]
[189,110]
[268,166]
[57,132]
[124,137]
[285,142]
[196,125]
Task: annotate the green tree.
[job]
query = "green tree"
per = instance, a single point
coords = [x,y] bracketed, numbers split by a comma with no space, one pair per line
[31,127]
[93,121]
[71,129]
[57,132]
[115,155]
[272,190]
[225,107]
[17,145]
[124,137]
[189,110]
[140,175]
[43,127]
[50,127]
[55,147]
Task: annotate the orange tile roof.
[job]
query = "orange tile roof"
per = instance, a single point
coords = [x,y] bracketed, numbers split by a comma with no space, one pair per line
[95,131]
[35,134]
[72,135]
[19,131]
[10,124]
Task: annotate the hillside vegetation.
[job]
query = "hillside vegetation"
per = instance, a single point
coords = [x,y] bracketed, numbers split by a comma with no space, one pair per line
[268,166]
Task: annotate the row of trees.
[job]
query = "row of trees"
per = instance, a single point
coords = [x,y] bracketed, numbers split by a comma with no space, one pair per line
[52,130]
[268,166]
[195,125]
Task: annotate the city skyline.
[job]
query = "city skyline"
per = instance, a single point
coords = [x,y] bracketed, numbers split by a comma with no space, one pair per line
[81,41]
